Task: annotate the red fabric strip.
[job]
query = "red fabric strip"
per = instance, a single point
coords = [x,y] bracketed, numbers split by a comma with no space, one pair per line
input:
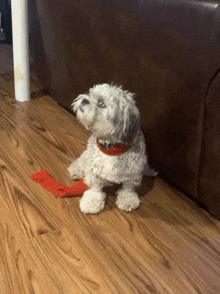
[50,184]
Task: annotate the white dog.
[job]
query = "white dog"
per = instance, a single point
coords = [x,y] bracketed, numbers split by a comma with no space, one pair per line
[111,115]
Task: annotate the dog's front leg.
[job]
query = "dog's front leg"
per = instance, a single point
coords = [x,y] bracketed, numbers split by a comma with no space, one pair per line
[127,198]
[93,200]
[77,167]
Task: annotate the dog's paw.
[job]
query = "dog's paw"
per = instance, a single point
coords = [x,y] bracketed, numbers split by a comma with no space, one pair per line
[92,201]
[73,173]
[75,177]
[127,200]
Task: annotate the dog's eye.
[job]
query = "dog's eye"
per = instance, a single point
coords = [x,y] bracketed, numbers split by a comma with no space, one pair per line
[101,104]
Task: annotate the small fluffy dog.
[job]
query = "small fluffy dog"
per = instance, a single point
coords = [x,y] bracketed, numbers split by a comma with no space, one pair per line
[110,113]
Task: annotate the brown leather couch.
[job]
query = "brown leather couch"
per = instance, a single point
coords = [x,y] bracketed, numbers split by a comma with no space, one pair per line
[167,52]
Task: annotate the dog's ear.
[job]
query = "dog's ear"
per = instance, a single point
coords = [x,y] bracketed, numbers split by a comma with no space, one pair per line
[127,120]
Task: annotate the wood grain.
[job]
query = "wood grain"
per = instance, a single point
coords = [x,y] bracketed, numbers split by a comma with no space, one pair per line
[168,245]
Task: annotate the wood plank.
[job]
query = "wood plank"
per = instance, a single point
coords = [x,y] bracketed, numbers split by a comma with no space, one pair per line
[21,271]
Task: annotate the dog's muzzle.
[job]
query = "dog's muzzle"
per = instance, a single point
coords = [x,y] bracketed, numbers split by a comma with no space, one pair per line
[83,103]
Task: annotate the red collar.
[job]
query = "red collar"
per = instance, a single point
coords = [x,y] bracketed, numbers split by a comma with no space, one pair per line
[118,149]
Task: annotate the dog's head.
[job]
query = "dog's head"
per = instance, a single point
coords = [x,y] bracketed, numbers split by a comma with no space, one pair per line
[109,112]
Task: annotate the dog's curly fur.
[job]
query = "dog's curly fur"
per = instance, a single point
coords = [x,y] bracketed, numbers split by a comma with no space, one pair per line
[110,113]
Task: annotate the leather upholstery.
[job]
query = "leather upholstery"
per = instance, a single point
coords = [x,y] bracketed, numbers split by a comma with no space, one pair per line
[165,51]
[209,177]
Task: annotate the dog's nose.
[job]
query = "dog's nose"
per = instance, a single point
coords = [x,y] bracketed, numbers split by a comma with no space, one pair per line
[85,101]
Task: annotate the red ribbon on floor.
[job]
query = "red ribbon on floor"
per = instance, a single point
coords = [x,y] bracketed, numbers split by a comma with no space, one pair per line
[50,184]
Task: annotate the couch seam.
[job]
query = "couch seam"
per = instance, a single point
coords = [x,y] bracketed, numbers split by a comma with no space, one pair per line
[203,129]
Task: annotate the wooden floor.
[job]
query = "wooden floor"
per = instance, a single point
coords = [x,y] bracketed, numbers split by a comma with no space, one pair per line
[47,245]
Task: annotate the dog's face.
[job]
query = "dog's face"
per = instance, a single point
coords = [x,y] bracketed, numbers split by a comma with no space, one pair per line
[109,112]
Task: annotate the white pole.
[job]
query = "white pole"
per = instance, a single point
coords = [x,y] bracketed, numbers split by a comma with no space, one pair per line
[20,33]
